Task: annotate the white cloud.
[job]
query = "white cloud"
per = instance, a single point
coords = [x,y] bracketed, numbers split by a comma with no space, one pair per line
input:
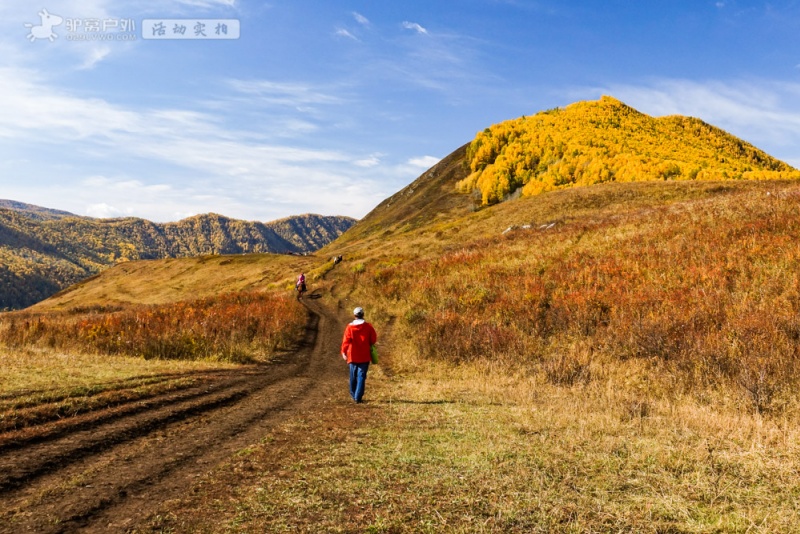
[341,32]
[124,184]
[281,93]
[424,162]
[415,27]
[95,55]
[372,161]
[361,19]
[104,211]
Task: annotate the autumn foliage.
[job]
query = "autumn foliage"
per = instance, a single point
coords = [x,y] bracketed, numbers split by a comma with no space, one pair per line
[606,141]
[232,327]
[705,294]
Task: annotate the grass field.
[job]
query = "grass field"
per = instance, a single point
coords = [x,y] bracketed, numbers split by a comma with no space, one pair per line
[480,450]
[43,384]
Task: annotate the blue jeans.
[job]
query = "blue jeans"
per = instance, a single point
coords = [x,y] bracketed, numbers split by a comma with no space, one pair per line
[358,378]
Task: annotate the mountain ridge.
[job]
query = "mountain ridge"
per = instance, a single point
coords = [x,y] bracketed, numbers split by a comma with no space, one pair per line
[34,211]
[42,253]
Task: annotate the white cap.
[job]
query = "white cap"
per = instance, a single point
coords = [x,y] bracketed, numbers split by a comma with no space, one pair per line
[359,312]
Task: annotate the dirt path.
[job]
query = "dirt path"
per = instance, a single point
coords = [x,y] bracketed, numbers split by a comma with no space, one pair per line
[107,471]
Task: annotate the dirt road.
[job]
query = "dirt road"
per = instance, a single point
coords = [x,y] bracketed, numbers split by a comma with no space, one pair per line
[108,470]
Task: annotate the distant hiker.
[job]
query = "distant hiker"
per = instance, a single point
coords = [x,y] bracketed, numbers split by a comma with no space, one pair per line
[337,259]
[300,286]
[359,336]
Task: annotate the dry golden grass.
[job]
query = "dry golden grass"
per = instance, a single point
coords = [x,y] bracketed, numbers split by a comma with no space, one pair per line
[487,449]
[33,369]
[174,280]
[39,384]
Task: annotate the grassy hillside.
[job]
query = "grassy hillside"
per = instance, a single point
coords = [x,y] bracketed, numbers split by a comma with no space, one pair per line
[428,199]
[606,141]
[698,294]
[177,279]
[43,251]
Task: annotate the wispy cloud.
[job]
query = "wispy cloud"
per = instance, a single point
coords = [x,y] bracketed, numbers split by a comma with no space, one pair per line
[94,56]
[447,63]
[361,19]
[423,162]
[373,160]
[201,156]
[414,27]
[283,93]
[341,32]
[353,34]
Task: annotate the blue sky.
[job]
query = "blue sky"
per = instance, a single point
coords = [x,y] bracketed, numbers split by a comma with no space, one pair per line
[331,106]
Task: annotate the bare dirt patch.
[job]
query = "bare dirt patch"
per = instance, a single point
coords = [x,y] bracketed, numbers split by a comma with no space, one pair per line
[111,469]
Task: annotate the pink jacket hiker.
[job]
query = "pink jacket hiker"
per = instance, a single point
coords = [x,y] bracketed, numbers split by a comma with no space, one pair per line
[358,337]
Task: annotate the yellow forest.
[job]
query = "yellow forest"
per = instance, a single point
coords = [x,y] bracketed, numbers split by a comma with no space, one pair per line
[605,141]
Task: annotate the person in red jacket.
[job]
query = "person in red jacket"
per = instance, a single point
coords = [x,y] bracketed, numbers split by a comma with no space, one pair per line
[359,336]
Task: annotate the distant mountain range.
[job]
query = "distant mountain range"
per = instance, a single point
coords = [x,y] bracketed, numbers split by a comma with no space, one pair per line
[43,250]
[35,212]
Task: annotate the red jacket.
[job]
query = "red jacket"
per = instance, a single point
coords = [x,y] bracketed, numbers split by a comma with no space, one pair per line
[358,336]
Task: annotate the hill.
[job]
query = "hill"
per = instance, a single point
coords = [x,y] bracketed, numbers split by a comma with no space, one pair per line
[35,212]
[606,141]
[43,251]
[310,232]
